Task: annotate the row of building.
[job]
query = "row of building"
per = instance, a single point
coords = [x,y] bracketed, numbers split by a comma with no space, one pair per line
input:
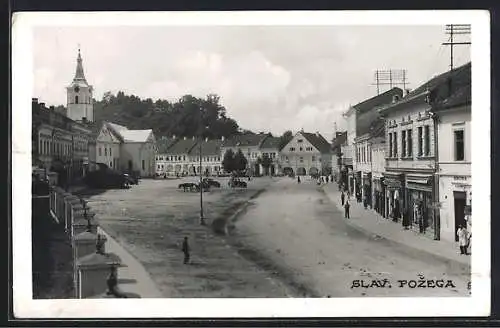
[305,154]
[72,144]
[409,154]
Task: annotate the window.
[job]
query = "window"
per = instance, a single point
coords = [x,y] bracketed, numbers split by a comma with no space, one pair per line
[292,148]
[427,141]
[313,158]
[403,143]
[420,144]
[100,151]
[410,143]
[300,140]
[390,144]
[110,152]
[143,165]
[76,99]
[301,159]
[459,145]
[395,139]
[105,151]
[110,164]
[300,149]
[184,157]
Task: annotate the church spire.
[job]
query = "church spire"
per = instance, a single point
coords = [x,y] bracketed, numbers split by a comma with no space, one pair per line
[79,68]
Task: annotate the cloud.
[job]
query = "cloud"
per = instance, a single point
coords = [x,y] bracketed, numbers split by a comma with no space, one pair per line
[270,78]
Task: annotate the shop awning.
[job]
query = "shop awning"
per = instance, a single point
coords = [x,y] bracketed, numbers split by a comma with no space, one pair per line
[419,178]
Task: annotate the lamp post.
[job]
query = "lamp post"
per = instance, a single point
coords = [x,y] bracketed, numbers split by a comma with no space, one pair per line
[202,219]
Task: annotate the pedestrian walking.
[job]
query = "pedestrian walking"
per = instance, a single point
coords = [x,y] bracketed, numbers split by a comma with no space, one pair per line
[463,239]
[346,207]
[298,179]
[342,198]
[185,250]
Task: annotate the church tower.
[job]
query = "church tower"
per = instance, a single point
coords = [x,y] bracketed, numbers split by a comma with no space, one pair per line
[79,101]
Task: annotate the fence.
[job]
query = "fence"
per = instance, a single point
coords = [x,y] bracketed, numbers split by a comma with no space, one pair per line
[94,270]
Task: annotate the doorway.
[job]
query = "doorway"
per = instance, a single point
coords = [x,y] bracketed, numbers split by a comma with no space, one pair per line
[459,199]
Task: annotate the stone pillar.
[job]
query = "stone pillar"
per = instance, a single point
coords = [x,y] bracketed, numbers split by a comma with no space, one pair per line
[74,207]
[67,213]
[80,224]
[85,243]
[93,271]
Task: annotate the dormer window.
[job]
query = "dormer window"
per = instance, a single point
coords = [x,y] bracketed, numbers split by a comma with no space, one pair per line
[300,140]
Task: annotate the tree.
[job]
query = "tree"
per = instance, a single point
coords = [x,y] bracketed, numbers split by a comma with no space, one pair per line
[285,138]
[266,162]
[228,161]
[240,161]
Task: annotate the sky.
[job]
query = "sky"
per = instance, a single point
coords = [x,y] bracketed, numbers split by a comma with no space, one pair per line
[269,78]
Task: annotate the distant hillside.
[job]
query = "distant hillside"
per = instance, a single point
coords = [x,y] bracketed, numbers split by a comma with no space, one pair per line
[181,118]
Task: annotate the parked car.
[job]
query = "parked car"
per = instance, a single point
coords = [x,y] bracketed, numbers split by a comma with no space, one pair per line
[131,179]
[107,178]
[211,182]
[237,183]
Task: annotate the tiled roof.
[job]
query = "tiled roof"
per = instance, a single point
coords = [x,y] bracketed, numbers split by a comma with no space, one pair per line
[451,86]
[117,127]
[244,140]
[271,143]
[317,141]
[369,122]
[381,99]
[181,146]
[164,143]
[135,135]
[208,148]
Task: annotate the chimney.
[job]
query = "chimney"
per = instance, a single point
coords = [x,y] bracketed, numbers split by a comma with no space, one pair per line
[334,128]
[317,134]
[42,105]
[52,108]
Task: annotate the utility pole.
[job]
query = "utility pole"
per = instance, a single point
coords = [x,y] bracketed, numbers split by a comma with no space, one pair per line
[453,30]
[391,77]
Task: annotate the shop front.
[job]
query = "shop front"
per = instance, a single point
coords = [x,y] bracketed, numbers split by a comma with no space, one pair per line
[378,195]
[357,186]
[367,188]
[419,200]
[394,196]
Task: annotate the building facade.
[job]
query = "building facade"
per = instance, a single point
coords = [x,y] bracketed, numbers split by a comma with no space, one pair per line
[250,146]
[270,149]
[59,143]
[378,169]
[412,195]
[307,154]
[361,119]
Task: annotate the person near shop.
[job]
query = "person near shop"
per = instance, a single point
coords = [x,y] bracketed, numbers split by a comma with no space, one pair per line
[346,209]
[342,198]
[298,179]
[463,239]
[186,250]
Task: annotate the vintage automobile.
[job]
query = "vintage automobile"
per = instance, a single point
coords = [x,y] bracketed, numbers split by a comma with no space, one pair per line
[211,182]
[133,180]
[237,183]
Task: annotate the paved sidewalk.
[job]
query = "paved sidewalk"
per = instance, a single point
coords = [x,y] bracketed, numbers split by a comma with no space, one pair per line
[369,221]
[132,277]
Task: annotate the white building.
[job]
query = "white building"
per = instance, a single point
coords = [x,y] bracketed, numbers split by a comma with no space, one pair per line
[378,169]
[454,161]
[250,146]
[270,149]
[106,147]
[307,154]
[359,119]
